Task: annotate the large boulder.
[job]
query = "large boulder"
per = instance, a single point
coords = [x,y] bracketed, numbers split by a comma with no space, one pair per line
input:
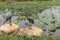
[35,31]
[14,29]
[7,28]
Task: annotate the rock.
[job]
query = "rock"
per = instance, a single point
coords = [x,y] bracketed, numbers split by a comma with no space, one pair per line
[35,31]
[16,30]
[6,28]
[20,32]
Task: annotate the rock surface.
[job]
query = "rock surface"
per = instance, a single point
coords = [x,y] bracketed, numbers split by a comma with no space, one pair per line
[14,29]
[35,31]
[6,28]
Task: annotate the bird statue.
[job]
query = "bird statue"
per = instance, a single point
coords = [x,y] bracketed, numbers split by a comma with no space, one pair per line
[31,21]
[8,18]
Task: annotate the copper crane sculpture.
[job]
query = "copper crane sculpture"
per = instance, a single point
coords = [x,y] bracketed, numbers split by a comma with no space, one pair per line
[31,20]
[8,18]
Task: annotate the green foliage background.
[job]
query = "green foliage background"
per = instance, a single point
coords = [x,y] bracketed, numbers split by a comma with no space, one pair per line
[23,0]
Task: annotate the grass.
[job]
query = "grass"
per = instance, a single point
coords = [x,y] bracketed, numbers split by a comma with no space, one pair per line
[10,37]
[33,2]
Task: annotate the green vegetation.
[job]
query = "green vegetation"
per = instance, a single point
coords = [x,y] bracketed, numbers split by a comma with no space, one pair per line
[23,0]
[29,7]
[10,37]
